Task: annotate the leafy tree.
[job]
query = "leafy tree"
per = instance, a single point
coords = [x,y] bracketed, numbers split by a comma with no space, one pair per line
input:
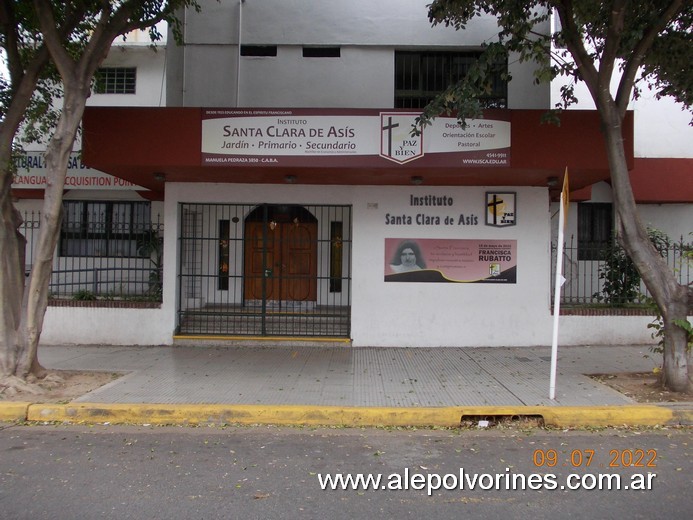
[621,43]
[50,47]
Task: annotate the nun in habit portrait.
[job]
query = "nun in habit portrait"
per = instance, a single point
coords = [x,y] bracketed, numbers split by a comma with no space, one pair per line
[407,258]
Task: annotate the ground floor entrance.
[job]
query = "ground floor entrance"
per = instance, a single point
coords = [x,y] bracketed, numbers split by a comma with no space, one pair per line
[264,270]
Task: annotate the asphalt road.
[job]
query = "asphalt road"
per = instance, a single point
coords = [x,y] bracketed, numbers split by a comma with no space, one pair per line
[68,472]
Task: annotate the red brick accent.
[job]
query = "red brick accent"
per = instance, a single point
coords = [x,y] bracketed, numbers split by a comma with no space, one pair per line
[613,311]
[107,304]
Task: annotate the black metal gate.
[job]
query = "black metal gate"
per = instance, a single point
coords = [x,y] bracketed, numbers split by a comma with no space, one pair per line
[264,270]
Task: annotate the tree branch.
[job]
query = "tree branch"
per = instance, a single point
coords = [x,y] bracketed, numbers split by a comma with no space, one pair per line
[637,57]
[24,75]
[576,46]
[114,24]
[52,37]
[612,43]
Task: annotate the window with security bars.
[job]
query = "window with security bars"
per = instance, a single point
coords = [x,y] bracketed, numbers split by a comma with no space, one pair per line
[420,76]
[113,229]
[595,225]
[115,80]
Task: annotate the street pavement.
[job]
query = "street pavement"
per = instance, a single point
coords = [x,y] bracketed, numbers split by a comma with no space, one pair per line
[64,472]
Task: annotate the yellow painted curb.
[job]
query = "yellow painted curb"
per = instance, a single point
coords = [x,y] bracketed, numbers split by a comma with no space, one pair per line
[244,414]
[190,414]
[636,415]
[13,411]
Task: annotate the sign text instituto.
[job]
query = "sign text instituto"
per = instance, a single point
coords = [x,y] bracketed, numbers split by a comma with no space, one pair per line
[350,138]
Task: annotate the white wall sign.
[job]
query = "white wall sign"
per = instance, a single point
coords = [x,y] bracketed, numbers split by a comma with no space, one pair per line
[350,138]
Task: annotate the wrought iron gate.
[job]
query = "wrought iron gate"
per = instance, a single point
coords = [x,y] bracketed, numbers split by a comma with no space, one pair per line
[264,270]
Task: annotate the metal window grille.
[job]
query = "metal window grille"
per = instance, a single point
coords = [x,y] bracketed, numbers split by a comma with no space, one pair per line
[265,270]
[115,80]
[421,76]
[99,228]
[585,280]
[595,224]
[102,255]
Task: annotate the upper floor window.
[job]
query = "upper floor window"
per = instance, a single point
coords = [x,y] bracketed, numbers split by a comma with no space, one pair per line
[259,51]
[322,52]
[420,76]
[115,80]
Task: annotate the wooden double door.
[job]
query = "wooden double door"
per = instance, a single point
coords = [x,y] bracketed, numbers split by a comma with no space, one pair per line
[281,255]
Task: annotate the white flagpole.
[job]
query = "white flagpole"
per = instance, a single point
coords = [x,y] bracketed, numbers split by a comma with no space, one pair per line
[558,284]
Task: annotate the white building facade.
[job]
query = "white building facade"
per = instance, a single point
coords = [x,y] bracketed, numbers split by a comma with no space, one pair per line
[291,193]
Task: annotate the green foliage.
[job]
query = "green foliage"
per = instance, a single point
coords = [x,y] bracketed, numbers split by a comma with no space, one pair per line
[522,29]
[672,48]
[41,117]
[657,326]
[22,46]
[621,280]
[84,295]
[467,99]
[687,250]
[151,245]
[686,325]
[592,41]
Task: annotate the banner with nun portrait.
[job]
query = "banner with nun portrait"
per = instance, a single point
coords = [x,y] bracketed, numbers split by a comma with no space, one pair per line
[450,260]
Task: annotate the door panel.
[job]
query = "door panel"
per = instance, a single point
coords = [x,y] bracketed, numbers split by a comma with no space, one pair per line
[299,261]
[291,258]
[254,272]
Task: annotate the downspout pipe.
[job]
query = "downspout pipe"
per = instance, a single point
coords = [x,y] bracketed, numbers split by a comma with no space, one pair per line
[238,62]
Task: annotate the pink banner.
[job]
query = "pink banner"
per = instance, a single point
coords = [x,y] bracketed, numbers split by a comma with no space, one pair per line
[450,260]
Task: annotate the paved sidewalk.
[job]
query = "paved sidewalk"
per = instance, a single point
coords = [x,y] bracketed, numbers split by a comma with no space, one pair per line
[340,385]
[347,376]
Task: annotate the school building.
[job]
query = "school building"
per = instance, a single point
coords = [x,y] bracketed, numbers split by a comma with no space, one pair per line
[276,190]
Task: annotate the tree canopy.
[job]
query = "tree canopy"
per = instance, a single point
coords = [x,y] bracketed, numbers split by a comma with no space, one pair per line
[591,41]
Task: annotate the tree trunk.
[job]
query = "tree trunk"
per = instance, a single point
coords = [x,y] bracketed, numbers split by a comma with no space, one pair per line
[12,245]
[669,295]
[12,242]
[35,299]
[677,356]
